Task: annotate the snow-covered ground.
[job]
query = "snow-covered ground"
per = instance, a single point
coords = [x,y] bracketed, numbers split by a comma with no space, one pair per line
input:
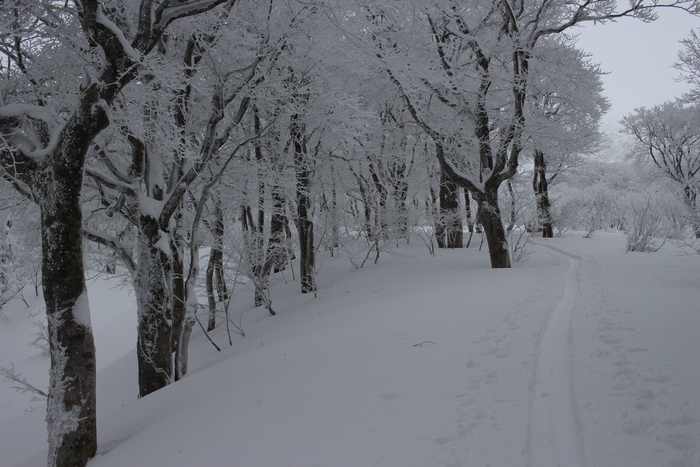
[581,355]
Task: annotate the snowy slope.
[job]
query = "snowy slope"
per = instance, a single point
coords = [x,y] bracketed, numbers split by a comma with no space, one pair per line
[580,356]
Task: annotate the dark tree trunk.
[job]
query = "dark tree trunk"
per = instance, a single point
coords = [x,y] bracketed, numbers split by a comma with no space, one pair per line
[333,218]
[305,225]
[367,211]
[489,216]
[216,288]
[450,217]
[261,284]
[511,206]
[691,198]
[380,214]
[540,186]
[178,275]
[400,194]
[468,210]
[154,303]
[276,248]
[71,405]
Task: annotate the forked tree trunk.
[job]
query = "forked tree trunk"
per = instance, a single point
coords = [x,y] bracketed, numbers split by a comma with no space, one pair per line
[541,189]
[71,403]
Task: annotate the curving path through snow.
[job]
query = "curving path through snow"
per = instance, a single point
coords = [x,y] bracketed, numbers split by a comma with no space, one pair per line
[554,438]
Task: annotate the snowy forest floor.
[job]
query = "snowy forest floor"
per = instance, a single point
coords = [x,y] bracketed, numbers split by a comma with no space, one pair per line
[581,355]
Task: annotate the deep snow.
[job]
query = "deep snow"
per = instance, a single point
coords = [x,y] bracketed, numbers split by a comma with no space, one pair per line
[581,355]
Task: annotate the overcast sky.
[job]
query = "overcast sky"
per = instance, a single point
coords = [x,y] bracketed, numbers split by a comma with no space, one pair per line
[639,58]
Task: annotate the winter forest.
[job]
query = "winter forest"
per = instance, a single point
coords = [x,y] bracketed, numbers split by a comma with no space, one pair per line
[213,172]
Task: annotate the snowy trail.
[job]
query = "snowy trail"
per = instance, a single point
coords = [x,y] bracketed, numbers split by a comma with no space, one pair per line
[554,438]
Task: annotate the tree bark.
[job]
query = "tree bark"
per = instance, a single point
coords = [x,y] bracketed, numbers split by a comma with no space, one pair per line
[400,195]
[178,276]
[276,248]
[541,189]
[450,217]
[380,221]
[154,302]
[216,288]
[305,225]
[489,216]
[511,206]
[468,211]
[72,404]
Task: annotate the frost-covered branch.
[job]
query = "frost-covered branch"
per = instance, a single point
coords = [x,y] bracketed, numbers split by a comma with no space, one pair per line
[153,22]
[115,245]
[20,383]
[110,182]
[10,133]
[458,176]
[605,10]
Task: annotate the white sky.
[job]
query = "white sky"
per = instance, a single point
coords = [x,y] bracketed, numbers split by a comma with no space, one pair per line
[639,58]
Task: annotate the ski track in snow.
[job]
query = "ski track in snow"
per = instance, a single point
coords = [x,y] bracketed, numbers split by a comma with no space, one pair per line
[554,437]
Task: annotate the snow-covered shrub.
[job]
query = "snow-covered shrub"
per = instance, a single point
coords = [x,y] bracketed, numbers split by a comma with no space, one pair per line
[517,240]
[588,209]
[644,222]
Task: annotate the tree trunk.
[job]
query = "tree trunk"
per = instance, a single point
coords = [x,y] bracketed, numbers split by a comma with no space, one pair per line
[400,195]
[261,283]
[380,221]
[691,197]
[276,248]
[489,216]
[540,186]
[468,210]
[305,225]
[178,276]
[216,288]
[71,411]
[71,406]
[154,309]
[450,217]
[511,206]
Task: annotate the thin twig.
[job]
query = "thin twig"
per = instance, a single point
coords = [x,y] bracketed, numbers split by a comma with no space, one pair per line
[420,344]
[206,333]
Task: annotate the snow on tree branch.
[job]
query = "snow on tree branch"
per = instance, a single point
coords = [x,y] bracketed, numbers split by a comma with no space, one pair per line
[11,134]
[119,34]
[20,383]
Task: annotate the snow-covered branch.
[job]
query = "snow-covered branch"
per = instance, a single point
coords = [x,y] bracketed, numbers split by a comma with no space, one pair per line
[119,35]
[10,133]
[458,176]
[115,245]
[110,182]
